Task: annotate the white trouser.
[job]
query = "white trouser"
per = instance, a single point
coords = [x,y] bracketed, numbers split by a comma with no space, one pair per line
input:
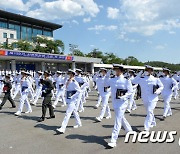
[176,95]
[105,107]
[13,87]
[1,87]
[84,96]
[60,94]
[71,108]
[99,100]
[17,90]
[24,100]
[167,107]
[86,93]
[31,92]
[79,103]
[150,119]
[37,94]
[132,102]
[120,121]
[53,94]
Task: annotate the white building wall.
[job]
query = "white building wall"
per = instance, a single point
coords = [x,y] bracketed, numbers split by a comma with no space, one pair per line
[9,32]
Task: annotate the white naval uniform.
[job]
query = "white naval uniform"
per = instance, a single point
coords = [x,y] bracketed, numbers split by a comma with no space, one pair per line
[149,98]
[119,105]
[71,104]
[81,81]
[169,85]
[17,86]
[176,95]
[24,95]
[38,91]
[60,88]
[132,103]
[31,92]
[1,84]
[101,85]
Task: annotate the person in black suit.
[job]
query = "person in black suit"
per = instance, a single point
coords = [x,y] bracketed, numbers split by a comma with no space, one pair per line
[7,92]
[47,94]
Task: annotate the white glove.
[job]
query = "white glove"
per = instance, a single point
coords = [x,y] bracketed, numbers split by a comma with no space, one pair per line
[157,92]
[123,98]
[44,91]
[108,74]
[140,73]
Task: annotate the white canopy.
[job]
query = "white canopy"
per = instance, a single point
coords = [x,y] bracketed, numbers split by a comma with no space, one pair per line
[125,66]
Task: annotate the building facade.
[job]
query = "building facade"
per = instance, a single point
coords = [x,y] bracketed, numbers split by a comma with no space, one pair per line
[15,27]
[15,60]
[18,27]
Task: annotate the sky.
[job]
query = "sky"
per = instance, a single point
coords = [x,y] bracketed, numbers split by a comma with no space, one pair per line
[146,29]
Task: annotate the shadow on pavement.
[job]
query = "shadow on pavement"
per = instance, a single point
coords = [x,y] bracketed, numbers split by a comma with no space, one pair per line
[7,112]
[46,127]
[137,115]
[108,126]
[89,118]
[90,139]
[34,118]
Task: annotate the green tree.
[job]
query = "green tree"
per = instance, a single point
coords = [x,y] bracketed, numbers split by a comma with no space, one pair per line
[6,46]
[95,54]
[23,45]
[77,52]
[45,45]
[111,58]
[132,61]
[173,67]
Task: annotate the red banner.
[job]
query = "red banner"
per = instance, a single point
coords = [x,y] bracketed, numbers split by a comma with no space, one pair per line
[2,52]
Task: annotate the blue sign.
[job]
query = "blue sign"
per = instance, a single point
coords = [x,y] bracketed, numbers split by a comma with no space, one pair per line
[37,55]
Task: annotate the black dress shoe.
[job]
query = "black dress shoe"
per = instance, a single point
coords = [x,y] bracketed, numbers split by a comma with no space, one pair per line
[0,107]
[13,106]
[41,119]
[52,117]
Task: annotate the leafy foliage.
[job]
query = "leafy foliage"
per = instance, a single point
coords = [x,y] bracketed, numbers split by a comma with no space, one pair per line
[78,53]
[44,45]
[173,67]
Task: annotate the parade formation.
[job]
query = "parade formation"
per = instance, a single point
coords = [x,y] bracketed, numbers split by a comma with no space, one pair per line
[71,89]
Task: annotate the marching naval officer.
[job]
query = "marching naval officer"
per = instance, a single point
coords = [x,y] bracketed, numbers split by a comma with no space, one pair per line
[60,86]
[25,88]
[72,92]
[169,84]
[132,103]
[104,92]
[47,94]
[7,91]
[17,85]
[151,87]
[121,89]
[38,91]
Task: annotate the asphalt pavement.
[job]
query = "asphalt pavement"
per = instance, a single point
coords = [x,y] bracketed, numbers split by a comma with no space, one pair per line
[24,135]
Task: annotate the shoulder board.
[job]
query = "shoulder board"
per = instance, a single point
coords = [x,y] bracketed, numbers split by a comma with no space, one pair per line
[127,77]
[113,76]
[73,80]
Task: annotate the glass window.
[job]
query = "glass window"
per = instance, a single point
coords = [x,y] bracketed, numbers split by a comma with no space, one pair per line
[37,32]
[4,43]
[12,36]
[26,33]
[3,24]
[17,28]
[4,35]
[47,33]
